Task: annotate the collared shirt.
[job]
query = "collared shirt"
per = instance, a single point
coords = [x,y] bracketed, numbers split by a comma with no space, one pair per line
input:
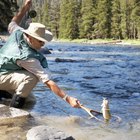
[32,65]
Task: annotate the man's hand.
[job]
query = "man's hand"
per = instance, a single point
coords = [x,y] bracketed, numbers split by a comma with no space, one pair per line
[28,4]
[25,8]
[73,102]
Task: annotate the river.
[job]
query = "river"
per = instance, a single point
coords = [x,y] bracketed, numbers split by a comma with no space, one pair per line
[90,73]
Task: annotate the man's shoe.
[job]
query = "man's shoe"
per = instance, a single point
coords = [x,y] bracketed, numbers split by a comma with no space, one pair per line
[17,101]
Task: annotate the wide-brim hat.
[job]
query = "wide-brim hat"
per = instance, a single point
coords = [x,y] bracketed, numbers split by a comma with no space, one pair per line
[38,31]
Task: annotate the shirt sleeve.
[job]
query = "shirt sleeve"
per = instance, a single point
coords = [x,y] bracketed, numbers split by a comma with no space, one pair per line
[33,65]
[13,27]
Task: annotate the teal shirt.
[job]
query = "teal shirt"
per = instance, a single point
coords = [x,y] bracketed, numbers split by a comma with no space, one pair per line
[16,48]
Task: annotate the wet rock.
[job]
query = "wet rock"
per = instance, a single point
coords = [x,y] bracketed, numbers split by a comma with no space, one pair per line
[45,50]
[64,60]
[47,133]
[7,114]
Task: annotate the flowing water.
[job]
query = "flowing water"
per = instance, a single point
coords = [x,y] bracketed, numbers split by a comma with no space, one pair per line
[90,73]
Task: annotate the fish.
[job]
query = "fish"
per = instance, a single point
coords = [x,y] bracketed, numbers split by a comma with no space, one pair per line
[105,109]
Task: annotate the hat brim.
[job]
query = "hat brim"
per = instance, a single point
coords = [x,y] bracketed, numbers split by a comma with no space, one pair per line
[47,38]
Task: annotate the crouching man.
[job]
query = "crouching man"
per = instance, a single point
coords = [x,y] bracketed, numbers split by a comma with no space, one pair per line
[22,65]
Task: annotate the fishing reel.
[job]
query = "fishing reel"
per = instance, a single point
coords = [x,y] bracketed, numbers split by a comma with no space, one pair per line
[14,7]
[32,13]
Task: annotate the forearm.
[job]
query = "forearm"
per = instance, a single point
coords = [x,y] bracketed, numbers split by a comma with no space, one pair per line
[54,88]
[18,17]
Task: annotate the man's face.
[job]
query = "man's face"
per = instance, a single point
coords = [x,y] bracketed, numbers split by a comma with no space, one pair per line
[36,44]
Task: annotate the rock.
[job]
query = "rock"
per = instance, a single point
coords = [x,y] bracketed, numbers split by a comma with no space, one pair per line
[43,132]
[45,50]
[64,60]
[7,114]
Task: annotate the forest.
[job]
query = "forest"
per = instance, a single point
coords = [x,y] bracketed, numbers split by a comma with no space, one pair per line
[90,19]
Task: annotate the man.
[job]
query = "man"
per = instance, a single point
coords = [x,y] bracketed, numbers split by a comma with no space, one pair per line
[22,65]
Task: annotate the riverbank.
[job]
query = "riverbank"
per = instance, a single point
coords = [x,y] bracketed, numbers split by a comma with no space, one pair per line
[102,41]
[93,41]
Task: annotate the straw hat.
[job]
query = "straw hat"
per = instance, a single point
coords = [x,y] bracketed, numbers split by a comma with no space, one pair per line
[37,30]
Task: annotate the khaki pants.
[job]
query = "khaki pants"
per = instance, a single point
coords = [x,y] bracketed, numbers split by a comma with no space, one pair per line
[20,82]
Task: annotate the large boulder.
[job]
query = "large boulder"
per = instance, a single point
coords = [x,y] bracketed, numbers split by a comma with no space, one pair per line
[44,132]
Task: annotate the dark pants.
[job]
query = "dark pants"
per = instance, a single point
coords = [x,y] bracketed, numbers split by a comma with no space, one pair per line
[5,94]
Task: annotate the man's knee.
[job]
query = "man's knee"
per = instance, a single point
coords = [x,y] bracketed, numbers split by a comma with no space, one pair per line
[27,84]
[31,78]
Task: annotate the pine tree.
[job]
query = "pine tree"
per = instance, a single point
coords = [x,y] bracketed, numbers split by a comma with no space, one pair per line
[119,19]
[38,7]
[72,24]
[125,20]
[116,20]
[63,11]
[54,17]
[45,14]
[135,20]
[87,19]
[68,19]
[103,19]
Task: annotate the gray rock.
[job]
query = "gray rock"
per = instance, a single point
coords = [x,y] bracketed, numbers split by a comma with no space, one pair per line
[7,114]
[64,60]
[44,132]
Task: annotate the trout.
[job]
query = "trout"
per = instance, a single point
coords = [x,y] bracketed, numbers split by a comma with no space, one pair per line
[106,110]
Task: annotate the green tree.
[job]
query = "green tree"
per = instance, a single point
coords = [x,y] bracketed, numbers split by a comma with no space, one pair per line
[119,19]
[125,19]
[135,20]
[63,17]
[54,17]
[38,7]
[87,19]
[103,19]
[116,20]
[45,14]
[68,19]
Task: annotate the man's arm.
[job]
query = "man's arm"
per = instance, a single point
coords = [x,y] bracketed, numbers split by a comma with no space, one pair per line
[18,17]
[54,88]
[34,67]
